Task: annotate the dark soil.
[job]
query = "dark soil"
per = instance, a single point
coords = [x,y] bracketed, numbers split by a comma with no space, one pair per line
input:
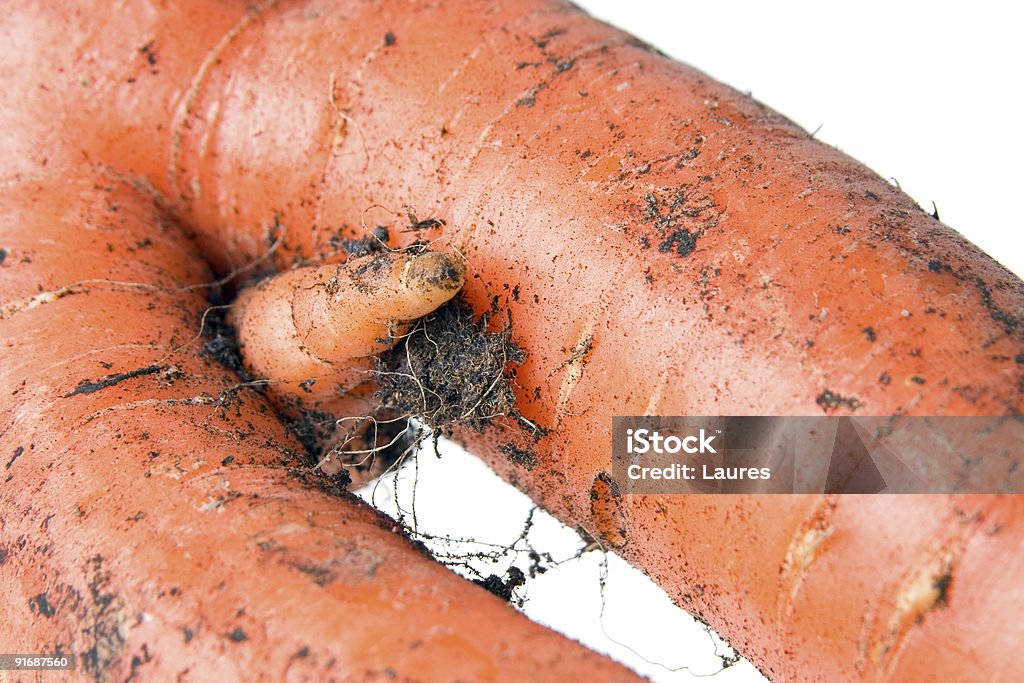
[503,588]
[831,401]
[524,457]
[450,370]
[89,386]
[221,340]
[370,244]
[311,427]
[679,216]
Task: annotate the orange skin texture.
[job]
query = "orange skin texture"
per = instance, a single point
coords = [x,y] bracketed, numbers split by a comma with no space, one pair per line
[165,525]
[323,323]
[552,146]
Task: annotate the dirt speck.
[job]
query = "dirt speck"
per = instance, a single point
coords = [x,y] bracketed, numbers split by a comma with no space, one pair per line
[41,606]
[149,52]
[375,242]
[831,401]
[682,241]
[89,386]
[103,612]
[18,452]
[606,510]
[679,216]
[524,457]
[942,583]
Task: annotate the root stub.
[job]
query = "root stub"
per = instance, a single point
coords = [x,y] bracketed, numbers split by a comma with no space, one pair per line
[311,329]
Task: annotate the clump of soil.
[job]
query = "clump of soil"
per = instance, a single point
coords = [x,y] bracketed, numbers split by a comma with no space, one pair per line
[221,338]
[504,588]
[450,370]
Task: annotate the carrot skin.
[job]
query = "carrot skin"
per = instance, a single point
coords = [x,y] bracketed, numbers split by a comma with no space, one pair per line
[314,329]
[640,209]
[157,518]
[636,204]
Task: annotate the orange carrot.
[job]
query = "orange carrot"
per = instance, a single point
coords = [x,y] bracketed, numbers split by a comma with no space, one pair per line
[664,244]
[157,521]
[289,324]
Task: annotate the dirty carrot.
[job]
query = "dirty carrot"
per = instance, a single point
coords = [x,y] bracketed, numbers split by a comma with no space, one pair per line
[288,324]
[158,520]
[661,244]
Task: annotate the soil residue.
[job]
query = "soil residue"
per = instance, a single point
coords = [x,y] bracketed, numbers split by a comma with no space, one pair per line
[503,587]
[830,401]
[450,370]
[89,386]
[102,610]
[373,243]
[679,216]
[524,457]
[221,339]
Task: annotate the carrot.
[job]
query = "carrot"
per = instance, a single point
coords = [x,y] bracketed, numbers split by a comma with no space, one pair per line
[669,246]
[158,522]
[288,324]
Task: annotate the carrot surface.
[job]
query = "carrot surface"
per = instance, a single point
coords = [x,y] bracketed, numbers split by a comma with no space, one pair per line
[158,521]
[662,244]
[290,323]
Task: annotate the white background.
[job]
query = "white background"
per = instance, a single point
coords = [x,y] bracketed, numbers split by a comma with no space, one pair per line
[927,94]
